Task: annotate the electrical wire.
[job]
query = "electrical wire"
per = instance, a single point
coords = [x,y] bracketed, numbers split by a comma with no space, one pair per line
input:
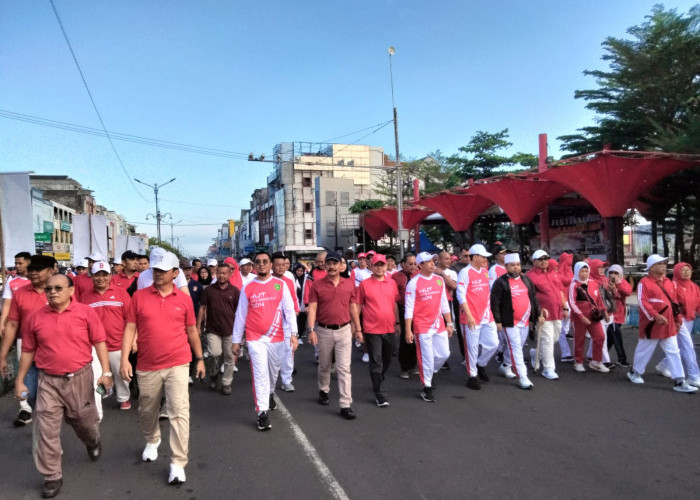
[94,104]
[358,131]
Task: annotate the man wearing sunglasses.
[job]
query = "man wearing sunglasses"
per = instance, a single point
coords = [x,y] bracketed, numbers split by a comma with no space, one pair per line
[25,301]
[59,338]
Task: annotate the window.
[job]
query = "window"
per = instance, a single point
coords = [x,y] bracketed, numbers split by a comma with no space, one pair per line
[330,198]
[308,234]
[307,206]
[306,182]
[344,198]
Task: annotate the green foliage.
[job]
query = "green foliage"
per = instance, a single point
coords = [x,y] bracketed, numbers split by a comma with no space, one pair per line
[649,95]
[361,206]
[154,242]
[482,157]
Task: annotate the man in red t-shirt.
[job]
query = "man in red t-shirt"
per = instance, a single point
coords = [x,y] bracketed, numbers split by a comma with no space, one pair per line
[377,297]
[164,317]
[428,315]
[14,283]
[265,315]
[59,338]
[129,273]
[279,266]
[26,301]
[514,303]
[111,303]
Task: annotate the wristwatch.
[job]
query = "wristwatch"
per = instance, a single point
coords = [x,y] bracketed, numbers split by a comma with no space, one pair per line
[451,325]
[107,374]
[199,359]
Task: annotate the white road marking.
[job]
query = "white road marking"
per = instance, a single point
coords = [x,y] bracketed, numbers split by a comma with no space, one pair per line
[326,475]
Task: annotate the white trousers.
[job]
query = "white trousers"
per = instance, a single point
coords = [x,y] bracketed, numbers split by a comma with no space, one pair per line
[687,349]
[515,339]
[551,331]
[120,385]
[265,363]
[97,373]
[432,350]
[287,364]
[645,349]
[606,351]
[484,335]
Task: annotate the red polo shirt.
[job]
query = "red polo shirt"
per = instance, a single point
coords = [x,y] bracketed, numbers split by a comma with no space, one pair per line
[62,342]
[121,280]
[25,301]
[111,307]
[82,283]
[548,287]
[161,325]
[333,301]
[377,299]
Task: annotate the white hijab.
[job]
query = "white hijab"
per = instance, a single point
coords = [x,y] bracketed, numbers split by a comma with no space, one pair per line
[577,268]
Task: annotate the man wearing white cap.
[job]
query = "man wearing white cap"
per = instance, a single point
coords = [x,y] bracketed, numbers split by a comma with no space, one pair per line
[164,318]
[659,319]
[362,272]
[145,278]
[552,300]
[83,282]
[476,318]
[246,266]
[427,313]
[514,302]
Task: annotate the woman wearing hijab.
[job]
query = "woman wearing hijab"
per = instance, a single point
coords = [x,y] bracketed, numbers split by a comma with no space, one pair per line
[688,295]
[597,275]
[586,313]
[620,290]
[566,274]
[235,278]
[204,276]
[300,276]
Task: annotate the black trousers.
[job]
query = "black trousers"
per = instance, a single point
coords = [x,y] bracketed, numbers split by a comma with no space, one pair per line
[407,352]
[455,320]
[379,348]
[615,338]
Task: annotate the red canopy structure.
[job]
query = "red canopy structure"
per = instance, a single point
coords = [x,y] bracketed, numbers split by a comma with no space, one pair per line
[459,209]
[411,216]
[613,180]
[520,197]
[374,225]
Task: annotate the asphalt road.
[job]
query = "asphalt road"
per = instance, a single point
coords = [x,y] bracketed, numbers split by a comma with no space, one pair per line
[584,436]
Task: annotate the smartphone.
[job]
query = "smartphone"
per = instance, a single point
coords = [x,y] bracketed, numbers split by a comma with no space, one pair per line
[102,391]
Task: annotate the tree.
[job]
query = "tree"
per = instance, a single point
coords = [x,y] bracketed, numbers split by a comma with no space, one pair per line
[482,156]
[154,242]
[652,85]
[361,206]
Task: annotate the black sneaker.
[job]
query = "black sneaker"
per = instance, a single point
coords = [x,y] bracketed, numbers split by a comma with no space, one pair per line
[610,366]
[273,403]
[427,394]
[347,413]
[473,383]
[624,364]
[52,488]
[23,418]
[499,358]
[95,452]
[213,382]
[446,366]
[323,398]
[264,422]
[382,401]
[481,371]
[567,359]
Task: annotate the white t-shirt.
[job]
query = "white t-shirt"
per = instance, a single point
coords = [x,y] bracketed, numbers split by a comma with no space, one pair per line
[146,279]
[361,275]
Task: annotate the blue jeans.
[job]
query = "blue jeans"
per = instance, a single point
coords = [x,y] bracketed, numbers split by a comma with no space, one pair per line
[31,380]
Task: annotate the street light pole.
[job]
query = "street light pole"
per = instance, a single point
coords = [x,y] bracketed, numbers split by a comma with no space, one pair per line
[155,188]
[399,198]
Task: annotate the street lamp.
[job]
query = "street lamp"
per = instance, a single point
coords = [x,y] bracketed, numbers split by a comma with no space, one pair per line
[399,199]
[155,188]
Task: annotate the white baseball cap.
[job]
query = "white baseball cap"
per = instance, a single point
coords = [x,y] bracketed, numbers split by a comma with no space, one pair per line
[479,249]
[539,254]
[245,261]
[212,262]
[167,262]
[96,256]
[156,255]
[512,258]
[423,257]
[101,266]
[655,259]
[82,263]
[116,261]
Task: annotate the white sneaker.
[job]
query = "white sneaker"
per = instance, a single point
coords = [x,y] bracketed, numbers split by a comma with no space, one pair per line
[525,383]
[150,452]
[578,367]
[288,387]
[177,475]
[235,369]
[684,387]
[695,382]
[663,370]
[635,377]
[365,358]
[506,371]
[598,367]
[550,374]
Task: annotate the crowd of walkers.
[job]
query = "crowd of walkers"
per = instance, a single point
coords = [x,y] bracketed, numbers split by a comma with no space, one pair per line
[146,327]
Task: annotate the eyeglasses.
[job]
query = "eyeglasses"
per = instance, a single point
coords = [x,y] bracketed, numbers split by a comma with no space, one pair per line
[262,262]
[49,289]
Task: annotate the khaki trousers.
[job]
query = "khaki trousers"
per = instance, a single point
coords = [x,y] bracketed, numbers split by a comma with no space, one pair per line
[340,342]
[177,402]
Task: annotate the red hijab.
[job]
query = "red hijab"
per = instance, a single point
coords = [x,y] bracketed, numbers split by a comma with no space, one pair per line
[688,292]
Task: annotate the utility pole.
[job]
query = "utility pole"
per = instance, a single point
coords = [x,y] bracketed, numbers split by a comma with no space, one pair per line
[155,188]
[399,199]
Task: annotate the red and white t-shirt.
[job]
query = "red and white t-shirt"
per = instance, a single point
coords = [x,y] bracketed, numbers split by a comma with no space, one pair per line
[496,272]
[292,290]
[14,283]
[521,302]
[473,288]
[111,306]
[426,302]
[265,312]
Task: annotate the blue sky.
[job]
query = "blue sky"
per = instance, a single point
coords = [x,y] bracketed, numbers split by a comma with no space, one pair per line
[243,76]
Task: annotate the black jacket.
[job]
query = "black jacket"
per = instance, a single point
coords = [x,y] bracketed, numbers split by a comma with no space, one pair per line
[502,302]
